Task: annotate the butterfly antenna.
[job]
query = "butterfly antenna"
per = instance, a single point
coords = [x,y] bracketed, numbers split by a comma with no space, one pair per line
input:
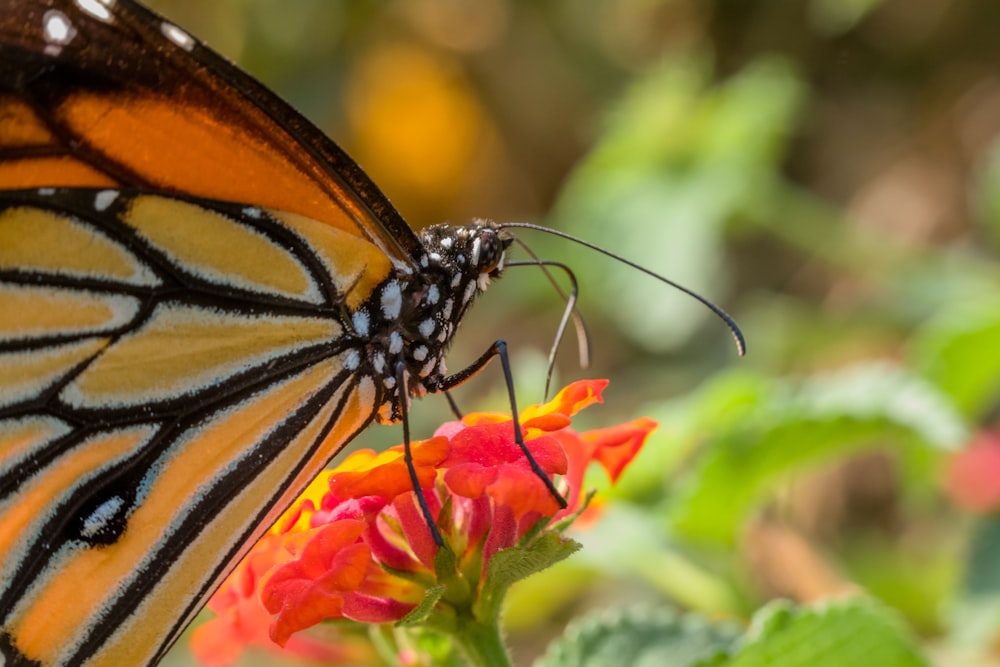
[579,324]
[734,329]
[570,311]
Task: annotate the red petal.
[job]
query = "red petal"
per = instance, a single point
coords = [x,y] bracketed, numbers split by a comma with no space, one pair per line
[484,444]
[615,447]
[387,552]
[310,588]
[221,641]
[522,491]
[503,532]
[415,529]
[973,479]
[493,444]
[373,609]
[470,479]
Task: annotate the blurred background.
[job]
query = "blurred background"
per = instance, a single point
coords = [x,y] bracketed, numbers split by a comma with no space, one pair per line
[828,171]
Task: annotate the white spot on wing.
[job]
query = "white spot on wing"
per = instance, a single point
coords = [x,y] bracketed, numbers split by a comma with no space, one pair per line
[395,343]
[420,353]
[252,212]
[378,363]
[426,328]
[104,199]
[100,517]
[177,36]
[392,301]
[99,9]
[57,28]
[361,323]
[477,247]
[433,294]
[352,360]
[46,192]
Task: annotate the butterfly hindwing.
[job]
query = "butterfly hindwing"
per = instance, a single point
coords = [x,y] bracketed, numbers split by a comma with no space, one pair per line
[167,406]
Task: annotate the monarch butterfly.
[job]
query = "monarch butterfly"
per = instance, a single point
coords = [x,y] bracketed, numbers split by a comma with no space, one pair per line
[173,368]
[202,299]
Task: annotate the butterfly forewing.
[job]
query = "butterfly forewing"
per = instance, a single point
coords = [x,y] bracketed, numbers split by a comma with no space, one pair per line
[103,93]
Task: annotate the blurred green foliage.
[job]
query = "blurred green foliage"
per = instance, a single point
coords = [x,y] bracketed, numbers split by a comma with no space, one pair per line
[827,170]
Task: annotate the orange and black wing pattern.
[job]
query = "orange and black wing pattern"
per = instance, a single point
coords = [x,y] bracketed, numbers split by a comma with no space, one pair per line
[202,299]
[105,93]
[160,402]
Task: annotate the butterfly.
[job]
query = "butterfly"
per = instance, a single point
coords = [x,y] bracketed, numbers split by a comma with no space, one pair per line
[202,299]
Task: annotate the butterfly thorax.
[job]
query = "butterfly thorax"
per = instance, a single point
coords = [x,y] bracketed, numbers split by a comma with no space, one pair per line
[411,319]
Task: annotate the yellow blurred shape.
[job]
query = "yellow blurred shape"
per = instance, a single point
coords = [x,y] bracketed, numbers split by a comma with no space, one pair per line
[415,125]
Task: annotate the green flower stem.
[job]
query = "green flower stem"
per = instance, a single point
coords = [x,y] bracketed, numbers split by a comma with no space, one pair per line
[482,645]
[381,638]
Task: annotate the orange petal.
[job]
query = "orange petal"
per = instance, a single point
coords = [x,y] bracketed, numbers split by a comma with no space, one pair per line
[615,447]
[573,398]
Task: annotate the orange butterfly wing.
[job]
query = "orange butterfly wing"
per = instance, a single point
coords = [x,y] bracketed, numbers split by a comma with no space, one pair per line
[118,96]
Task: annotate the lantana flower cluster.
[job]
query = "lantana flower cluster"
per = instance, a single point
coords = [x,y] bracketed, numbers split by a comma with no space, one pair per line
[356,546]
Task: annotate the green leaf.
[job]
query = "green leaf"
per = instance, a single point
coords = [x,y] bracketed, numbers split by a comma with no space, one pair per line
[803,426]
[682,156]
[629,543]
[957,350]
[516,563]
[723,401]
[858,632]
[975,618]
[638,638]
[986,193]
[423,610]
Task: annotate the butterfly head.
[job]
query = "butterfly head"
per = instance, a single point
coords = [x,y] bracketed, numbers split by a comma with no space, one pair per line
[458,263]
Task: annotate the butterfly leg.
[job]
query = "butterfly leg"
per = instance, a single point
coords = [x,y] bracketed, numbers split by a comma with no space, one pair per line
[453,405]
[499,349]
[408,454]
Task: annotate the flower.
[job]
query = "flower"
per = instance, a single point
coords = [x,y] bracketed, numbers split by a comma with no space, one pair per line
[356,545]
[972,478]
